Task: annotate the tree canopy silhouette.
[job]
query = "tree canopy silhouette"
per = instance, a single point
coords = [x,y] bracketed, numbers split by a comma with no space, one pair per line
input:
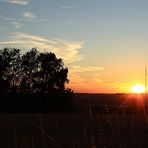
[32,74]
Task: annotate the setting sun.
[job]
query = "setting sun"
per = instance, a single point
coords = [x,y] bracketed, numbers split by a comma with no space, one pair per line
[138,88]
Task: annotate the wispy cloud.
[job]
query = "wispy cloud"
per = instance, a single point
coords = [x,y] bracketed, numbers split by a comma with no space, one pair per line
[87,82]
[85,78]
[3,18]
[6,18]
[91,73]
[14,22]
[79,68]
[29,15]
[67,50]
[19,2]
[16,25]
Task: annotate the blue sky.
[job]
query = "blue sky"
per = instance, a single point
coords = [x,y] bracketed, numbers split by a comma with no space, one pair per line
[103,42]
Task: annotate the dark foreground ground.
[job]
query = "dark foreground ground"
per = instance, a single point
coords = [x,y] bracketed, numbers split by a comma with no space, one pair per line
[98,122]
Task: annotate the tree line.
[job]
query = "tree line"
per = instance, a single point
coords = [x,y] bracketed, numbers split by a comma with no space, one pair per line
[32,81]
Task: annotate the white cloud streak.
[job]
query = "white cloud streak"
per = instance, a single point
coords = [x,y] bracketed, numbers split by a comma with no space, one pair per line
[67,50]
[18,2]
[16,25]
[29,15]
[78,68]
[2,18]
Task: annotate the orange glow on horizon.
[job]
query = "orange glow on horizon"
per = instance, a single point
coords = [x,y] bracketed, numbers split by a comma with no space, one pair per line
[106,86]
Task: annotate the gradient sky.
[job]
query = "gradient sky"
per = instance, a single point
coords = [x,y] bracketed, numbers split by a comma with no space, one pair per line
[104,43]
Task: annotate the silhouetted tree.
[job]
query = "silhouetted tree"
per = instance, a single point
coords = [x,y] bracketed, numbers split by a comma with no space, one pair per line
[29,68]
[10,68]
[51,75]
[43,72]
[33,74]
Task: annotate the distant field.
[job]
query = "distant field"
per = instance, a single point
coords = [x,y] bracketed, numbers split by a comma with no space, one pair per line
[84,128]
[111,103]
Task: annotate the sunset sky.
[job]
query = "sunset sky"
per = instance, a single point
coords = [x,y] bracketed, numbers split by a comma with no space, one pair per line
[104,43]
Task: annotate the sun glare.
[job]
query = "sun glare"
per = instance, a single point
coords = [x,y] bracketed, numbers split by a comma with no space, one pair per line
[138,88]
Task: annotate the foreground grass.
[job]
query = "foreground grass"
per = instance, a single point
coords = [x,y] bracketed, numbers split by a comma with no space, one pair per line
[99,121]
[73,131]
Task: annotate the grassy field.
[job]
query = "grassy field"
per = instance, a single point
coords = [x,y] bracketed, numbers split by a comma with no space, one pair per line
[85,128]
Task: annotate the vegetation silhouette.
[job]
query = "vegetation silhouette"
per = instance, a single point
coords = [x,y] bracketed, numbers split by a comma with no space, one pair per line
[33,82]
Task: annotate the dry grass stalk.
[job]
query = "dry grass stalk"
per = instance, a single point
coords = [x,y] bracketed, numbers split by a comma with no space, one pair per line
[91,124]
